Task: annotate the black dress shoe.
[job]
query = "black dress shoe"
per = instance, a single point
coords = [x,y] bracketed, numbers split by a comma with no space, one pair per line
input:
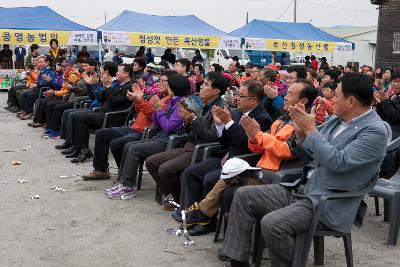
[235,263]
[14,109]
[64,145]
[74,154]
[84,155]
[222,256]
[68,151]
[202,229]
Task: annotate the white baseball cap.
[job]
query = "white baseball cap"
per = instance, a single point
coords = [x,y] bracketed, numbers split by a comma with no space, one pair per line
[234,167]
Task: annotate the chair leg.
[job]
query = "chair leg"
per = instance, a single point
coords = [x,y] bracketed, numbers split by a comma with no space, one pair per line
[226,219]
[377,212]
[160,196]
[319,247]
[348,248]
[140,176]
[256,240]
[156,197]
[386,210]
[394,220]
[219,224]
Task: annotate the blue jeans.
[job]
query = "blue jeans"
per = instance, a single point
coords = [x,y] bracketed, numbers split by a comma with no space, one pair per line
[67,125]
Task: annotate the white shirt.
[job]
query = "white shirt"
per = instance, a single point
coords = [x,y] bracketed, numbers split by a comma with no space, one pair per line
[220,128]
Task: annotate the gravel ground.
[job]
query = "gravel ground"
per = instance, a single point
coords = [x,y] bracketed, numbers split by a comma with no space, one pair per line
[82,227]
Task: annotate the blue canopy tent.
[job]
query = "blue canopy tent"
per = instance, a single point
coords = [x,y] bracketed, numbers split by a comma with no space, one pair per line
[287,36]
[28,25]
[132,28]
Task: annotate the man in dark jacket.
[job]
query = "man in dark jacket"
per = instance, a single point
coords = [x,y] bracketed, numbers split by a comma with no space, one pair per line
[197,180]
[389,108]
[20,53]
[113,98]
[168,56]
[166,167]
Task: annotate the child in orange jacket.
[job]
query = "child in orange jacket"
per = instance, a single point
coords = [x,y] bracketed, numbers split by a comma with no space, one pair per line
[323,106]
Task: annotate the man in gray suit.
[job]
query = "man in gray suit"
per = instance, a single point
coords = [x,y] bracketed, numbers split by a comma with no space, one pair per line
[345,153]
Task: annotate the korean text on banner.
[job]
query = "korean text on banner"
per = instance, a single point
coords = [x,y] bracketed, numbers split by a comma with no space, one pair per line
[299,45]
[39,37]
[170,40]
[288,45]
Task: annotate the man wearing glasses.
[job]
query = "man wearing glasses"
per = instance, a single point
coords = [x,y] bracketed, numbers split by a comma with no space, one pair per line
[197,180]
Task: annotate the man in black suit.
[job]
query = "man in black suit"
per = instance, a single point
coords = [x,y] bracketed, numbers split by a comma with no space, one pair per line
[113,99]
[197,180]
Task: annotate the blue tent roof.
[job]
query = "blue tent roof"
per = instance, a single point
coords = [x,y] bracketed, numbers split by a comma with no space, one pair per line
[283,30]
[36,18]
[129,21]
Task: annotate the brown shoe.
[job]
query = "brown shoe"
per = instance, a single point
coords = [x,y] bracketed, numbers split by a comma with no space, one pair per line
[27,117]
[96,175]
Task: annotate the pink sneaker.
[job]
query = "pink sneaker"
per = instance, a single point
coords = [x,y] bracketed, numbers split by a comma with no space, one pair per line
[125,192]
[113,188]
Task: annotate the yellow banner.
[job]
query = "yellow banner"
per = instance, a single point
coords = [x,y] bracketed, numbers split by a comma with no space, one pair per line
[299,46]
[27,37]
[169,40]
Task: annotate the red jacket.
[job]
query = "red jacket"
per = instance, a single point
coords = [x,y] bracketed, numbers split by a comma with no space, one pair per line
[144,111]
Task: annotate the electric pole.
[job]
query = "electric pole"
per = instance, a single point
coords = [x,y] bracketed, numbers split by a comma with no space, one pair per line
[295,11]
[105,17]
[247,17]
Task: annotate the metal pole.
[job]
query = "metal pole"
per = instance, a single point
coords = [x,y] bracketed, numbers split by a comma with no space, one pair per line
[295,11]
[100,57]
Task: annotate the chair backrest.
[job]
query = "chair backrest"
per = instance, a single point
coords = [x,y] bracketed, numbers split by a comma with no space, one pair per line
[130,117]
[389,131]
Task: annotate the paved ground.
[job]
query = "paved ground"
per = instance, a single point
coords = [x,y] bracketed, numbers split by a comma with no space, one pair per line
[82,227]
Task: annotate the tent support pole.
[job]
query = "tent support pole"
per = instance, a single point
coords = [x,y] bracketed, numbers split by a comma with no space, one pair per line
[100,58]
[242,54]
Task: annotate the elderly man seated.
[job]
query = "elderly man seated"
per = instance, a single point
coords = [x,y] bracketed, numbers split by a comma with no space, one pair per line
[345,152]
[273,145]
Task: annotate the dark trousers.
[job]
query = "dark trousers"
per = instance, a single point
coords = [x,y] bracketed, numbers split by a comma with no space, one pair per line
[268,177]
[197,180]
[166,168]
[83,123]
[68,122]
[19,63]
[281,220]
[28,100]
[12,95]
[133,153]
[45,109]
[117,137]
[54,123]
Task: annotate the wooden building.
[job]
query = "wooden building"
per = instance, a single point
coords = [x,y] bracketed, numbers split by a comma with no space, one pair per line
[388,38]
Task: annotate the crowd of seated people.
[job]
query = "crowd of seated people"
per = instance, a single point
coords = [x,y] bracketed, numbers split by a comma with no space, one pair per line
[268,112]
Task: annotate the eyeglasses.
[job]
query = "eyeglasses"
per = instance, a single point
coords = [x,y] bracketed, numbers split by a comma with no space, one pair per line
[244,96]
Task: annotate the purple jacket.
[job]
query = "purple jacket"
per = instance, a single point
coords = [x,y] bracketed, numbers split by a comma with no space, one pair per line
[169,122]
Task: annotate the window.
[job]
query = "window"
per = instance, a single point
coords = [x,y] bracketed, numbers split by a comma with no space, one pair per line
[396,42]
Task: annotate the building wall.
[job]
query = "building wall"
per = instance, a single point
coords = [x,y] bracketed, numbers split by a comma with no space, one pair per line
[364,52]
[389,23]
